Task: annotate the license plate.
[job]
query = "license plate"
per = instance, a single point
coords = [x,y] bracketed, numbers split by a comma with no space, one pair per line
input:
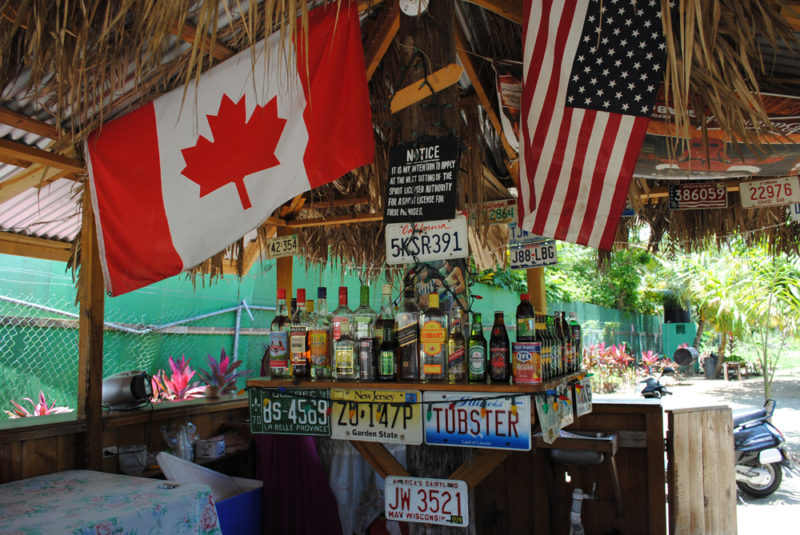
[426,241]
[291,411]
[432,501]
[390,416]
[770,192]
[458,419]
[794,212]
[698,195]
[517,236]
[533,255]
[282,246]
[499,212]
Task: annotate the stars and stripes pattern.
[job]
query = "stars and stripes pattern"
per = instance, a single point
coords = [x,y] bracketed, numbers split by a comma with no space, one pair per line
[592,69]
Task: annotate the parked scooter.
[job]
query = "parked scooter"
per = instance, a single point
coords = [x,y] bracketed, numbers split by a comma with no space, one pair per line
[652,388]
[759,454]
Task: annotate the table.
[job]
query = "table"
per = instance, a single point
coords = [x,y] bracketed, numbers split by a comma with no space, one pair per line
[85,502]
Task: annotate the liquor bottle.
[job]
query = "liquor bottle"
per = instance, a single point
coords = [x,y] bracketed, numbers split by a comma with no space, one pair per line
[386,317]
[364,317]
[577,340]
[555,347]
[342,313]
[279,340]
[298,338]
[456,348]
[433,341]
[476,352]
[544,337]
[499,351]
[345,350]
[406,327]
[319,339]
[526,320]
[387,358]
[568,347]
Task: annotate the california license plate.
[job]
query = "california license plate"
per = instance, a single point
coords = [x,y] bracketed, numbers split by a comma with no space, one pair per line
[389,416]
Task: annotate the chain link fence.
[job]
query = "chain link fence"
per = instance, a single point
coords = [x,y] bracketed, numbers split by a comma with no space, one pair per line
[39,344]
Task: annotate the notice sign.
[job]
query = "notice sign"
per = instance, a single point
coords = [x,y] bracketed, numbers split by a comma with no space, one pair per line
[290,411]
[389,416]
[432,501]
[698,196]
[422,181]
[770,192]
[458,419]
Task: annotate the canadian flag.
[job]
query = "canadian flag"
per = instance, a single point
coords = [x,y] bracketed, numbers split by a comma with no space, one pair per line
[178,180]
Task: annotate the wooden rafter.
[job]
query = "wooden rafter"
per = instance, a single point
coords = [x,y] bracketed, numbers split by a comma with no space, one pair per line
[419,89]
[463,54]
[20,245]
[188,32]
[509,9]
[381,37]
[31,177]
[17,120]
[335,203]
[335,220]
[17,151]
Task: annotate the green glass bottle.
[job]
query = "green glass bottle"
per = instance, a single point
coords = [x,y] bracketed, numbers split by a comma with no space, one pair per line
[476,352]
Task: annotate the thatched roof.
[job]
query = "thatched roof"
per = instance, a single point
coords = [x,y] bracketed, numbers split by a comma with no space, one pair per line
[67,68]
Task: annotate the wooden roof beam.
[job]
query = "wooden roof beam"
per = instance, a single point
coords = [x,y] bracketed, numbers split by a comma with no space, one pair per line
[188,32]
[419,90]
[34,126]
[31,177]
[13,151]
[21,245]
[509,9]
[381,37]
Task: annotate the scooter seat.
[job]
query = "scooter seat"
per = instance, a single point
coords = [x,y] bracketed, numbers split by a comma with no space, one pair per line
[742,416]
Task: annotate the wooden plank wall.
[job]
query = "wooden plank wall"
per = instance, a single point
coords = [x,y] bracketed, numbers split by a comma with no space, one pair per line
[528,494]
[36,454]
[702,478]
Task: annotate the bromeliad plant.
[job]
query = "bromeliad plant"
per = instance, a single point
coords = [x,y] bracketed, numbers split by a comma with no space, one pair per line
[652,363]
[178,385]
[222,374]
[39,409]
[611,366]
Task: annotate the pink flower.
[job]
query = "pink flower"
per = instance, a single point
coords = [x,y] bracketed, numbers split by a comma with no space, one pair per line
[208,517]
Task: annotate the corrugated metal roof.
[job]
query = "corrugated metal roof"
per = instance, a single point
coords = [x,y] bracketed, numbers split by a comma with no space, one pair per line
[50,212]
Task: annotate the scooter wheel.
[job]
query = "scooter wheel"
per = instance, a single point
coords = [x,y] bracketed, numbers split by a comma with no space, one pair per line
[657,394]
[761,491]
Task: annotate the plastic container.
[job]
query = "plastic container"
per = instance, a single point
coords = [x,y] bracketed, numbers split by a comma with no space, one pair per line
[132,459]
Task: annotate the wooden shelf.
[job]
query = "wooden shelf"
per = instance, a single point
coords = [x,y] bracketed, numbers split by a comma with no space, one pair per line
[266,382]
[172,409]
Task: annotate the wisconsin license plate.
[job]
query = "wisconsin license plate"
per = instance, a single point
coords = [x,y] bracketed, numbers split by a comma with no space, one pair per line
[432,501]
[389,416]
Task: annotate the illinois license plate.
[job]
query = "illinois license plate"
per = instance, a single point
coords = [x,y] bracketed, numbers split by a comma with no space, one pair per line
[389,416]
[459,419]
[533,255]
[432,501]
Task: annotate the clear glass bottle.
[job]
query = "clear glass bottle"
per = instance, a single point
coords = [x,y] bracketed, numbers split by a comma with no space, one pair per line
[298,338]
[319,339]
[456,348]
[406,324]
[476,352]
[386,317]
[345,351]
[499,351]
[433,341]
[387,358]
[364,317]
[577,340]
[279,340]
[342,313]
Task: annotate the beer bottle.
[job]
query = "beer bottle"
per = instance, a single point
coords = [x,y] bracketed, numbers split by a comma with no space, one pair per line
[476,352]
[386,317]
[544,337]
[279,340]
[407,335]
[555,347]
[456,348]
[499,351]
[577,340]
[387,359]
[526,320]
[433,341]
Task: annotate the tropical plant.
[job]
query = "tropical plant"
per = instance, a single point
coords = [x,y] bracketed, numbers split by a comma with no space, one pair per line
[652,363]
[41,408]
[610,366]
[178,385]
[222,374]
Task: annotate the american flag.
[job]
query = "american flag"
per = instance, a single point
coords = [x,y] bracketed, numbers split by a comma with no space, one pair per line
[591,72]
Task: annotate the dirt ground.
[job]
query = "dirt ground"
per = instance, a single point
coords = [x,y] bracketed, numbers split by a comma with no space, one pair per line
[779,513]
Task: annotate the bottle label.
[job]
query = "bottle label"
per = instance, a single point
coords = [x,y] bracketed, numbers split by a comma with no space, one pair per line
[432,337]
[318,342]
[338,323]
[297,340]
[477,359]
[432,369]
[363,324]
[387,363]
[497,356]
[456,358]
[526,327]
[278,349]
[527,362]
[407,335]
[345,362]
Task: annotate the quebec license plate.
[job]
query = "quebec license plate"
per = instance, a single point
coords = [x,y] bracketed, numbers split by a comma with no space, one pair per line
[432,501]
[290,411]
[389,416]
[459,419]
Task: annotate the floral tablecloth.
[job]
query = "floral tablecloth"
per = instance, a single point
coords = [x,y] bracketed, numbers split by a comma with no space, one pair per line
[83,502]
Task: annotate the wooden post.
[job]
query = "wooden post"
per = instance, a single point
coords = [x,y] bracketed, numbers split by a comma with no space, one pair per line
[90,340]
[283,267]
[536,289]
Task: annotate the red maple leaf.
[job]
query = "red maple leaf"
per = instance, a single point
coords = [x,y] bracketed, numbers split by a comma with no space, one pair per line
[240,147]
